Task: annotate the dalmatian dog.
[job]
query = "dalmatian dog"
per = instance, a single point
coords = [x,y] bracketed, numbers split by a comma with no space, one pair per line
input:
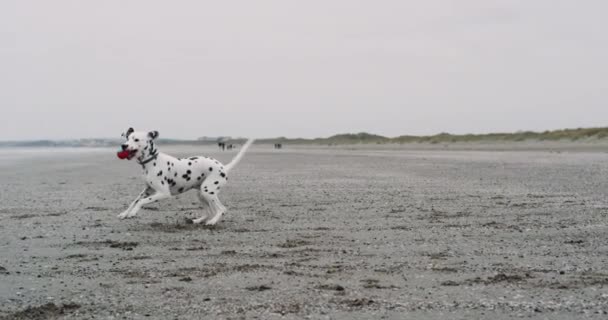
[167,176]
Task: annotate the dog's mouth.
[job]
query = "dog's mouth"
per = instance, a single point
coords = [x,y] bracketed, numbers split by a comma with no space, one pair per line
[127,154]
[131,154]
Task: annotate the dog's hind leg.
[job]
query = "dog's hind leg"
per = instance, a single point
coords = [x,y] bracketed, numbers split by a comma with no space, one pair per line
[209,191]
[217,207]
[205,207]
[147,191]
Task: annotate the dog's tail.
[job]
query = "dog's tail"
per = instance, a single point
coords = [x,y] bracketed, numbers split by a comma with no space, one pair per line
[239,155]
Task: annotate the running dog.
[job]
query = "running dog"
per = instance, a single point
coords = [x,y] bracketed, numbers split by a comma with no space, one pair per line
[167,176]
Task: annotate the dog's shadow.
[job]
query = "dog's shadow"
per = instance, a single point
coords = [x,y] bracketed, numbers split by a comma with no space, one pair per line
[186,225]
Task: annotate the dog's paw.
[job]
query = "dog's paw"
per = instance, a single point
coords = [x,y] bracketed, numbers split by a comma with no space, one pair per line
[199,220]
[123,215]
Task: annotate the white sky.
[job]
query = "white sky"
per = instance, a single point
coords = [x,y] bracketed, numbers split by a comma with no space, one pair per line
[71,69]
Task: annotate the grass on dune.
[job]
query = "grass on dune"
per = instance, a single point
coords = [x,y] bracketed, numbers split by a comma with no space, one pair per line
[366,138]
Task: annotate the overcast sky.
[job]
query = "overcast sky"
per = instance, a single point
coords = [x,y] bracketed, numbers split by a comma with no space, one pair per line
[307,68]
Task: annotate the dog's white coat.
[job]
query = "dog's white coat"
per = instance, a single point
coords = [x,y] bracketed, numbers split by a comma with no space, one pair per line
[167,176]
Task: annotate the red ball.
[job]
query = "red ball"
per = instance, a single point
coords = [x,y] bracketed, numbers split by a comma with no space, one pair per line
[122,154]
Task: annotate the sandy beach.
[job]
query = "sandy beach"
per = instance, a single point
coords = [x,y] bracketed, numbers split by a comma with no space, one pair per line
[311,233]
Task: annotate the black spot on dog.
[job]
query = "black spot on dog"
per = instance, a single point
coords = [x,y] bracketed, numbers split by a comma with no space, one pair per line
[188,172]
[184,176]
[223,175]
[193,158]
[217,182]
[154,164]
[188,179]
[168,163]
[199,178]
[189,163]
[211,192]
[181,190]
[210,169]
[169,169]
[162,182]
[175,175]
[160,173]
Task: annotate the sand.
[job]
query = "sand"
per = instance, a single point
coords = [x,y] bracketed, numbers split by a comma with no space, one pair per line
[311,233]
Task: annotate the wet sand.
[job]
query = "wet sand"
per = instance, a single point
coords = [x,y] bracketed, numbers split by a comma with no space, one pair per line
[316,233]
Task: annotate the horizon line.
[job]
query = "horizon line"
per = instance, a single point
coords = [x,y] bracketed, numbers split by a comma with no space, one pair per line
[316,138]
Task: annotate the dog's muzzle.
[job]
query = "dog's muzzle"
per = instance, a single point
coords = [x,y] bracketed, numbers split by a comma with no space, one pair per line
[126,153]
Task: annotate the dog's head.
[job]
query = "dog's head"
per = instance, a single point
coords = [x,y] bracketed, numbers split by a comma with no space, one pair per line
[139,144]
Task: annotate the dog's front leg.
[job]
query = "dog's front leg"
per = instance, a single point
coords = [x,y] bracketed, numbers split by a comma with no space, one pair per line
[148,199]
[147,191]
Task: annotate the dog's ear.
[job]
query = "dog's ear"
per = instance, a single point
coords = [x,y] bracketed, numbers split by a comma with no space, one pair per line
[129,131]
[153,134]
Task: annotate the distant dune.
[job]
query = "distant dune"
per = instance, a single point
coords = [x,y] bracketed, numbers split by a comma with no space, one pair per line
[556,135]
[570,135]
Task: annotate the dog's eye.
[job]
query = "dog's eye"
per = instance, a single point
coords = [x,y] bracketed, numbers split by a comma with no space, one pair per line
[136,140]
